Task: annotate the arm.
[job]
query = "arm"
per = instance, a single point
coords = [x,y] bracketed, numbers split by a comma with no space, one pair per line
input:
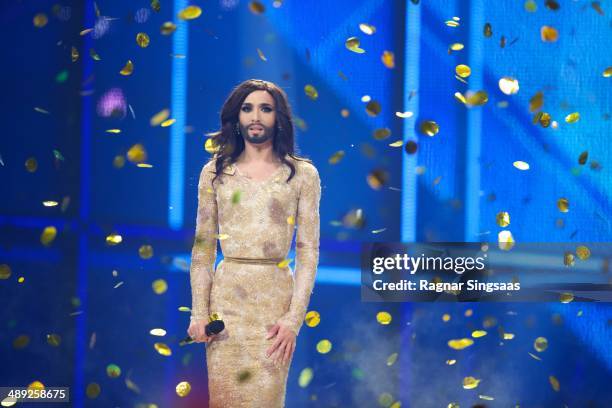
[204,252]
[307,249]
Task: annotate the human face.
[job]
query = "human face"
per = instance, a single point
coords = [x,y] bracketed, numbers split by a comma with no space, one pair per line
[257,118]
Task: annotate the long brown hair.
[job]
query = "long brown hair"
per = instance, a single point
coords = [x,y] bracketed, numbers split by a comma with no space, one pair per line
[230,145]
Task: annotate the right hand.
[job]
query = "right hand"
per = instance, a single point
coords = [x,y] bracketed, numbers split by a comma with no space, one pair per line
[197,331]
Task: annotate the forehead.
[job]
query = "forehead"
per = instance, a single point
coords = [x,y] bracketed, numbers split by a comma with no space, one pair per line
[258,97]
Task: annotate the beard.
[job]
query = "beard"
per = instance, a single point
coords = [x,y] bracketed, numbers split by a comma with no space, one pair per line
[263,137]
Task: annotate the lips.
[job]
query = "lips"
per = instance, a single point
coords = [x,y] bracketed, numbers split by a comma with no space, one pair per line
[256,128]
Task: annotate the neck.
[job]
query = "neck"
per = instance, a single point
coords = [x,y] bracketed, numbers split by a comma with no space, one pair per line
[253,153]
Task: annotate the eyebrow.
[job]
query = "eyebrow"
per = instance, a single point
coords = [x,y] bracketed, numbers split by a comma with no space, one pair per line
[261,104]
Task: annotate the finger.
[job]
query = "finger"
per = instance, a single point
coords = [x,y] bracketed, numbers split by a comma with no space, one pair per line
[273,330]
[273,348]
[287,354]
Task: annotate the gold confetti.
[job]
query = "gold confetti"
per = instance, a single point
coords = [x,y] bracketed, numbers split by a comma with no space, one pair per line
[211,146]
[468,313]
[554,383]
[324,346]
[261,55]
[459,97]
[345,113]
[159,286]
[156,6]
[460,344]
[305,377]
[50,203]
[521,165]
[451,362]
[382,133]
[549,34]
[54,339]
[477,98]
[446,317]
[137,153]
[74,54]
[142,39]
[534,356]
[385,399]
[284,263]
[113,370]
[397,143]
[383,318]
[479,333]
[163,349]
[563,204]
[312,319]
[583,252]
[336,157]
[221,237]
[183,389]
[451,23]
[256,7]
[531,6]
[21,279]
[85,31]
[509,85]
[158,332]
[463,70]
[469,383]
[508,336]
[40,20]
[114,239]
[505,240]
[392,359]
[540,344]
[311,92]
[453,405]
[503,219]
[168,122]
[184,309]
[378,231]
[456,47]
[373,108]
[377,178]
[159,117]
[352,44]
[582,159]
[48,235]
[388,59]
[607,73]
[429,128]
[115,131]
[168,28]
[404,115]
[36,385]
[543,118]
[566,297]
[487,30]
[486,398]
[94,55]
[5,271]
[190,13]
[569,259]
[367,28]
[145,251]
[21,341]
[127,69]
[572,117]
[291,220]
[93,390]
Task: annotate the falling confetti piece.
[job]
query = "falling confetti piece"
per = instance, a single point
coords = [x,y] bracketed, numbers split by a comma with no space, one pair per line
[86,31]
[456,47]
[168,28]
[93,390]
[305,377]
[373,108]
[336,157]
[142,39]
[114,239]
[184,309]
[352,44]
[137,154]
[535,357]
[388,59]
[429,128]
[50,203]
[486,398]
[324,346]
[127,69]
[367,28]
[378,231]
[451,362]
[221,237]
[41,110]
[74,54]
[261,55]
[563,204]
[284,263]
[190,13]
[383,318]
[549,34]
[376,179]
[113,131]
[118,285]
[487,30]
[159,286]
[392,359]
[145,251]
[469,383]
[451,23]
[158,332]
[94,55]
[460,344]
[21,342]
[463,71]
[155,5]
[554,383]
[446,317]
[521,165]
[8,402]
[291,220]
[569,259]
[404,115]
[48,235]
[183,389]
[508,85]
[508,336]
[163,349]
[256,7]
[5,271]
[397,143]
[159,117]
[168,122]
[479,333]
[40,20]
[312,319]
[583,252]
[477,98]
[540,344]
[505,240]
[572,117]
[503,219]
[113,371]
[311,92]
[381,134]
[566,297]
[54,339]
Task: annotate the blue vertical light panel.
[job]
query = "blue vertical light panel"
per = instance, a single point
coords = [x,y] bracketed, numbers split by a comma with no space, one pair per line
[176,177]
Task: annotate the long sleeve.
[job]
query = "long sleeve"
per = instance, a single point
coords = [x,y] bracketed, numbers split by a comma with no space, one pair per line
[307,249]
[204,252]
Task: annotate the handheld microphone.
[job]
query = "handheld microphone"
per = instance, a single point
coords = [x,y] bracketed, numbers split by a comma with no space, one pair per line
[214,327]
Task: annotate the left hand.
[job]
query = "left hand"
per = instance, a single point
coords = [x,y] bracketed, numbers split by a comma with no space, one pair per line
[283,347]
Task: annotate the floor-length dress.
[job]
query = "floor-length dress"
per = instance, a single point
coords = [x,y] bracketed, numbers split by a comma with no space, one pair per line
[254,220]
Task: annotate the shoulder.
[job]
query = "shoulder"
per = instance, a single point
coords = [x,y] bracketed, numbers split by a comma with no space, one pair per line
[305,168]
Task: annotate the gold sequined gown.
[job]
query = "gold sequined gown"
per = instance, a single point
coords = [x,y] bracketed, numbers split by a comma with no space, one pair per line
[255,222]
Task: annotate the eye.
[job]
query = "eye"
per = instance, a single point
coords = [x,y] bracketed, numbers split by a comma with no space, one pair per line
[246,108]
[266,109]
